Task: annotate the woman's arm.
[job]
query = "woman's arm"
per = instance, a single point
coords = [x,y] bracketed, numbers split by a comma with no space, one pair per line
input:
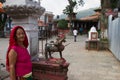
[12,61]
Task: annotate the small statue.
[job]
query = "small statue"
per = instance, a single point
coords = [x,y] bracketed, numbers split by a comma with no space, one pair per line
[56,46]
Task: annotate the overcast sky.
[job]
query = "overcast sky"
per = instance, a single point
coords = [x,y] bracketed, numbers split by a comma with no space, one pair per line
[57,6]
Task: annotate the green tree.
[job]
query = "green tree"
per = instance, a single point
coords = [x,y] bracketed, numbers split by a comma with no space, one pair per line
[69,9]
[106,4]
[113,3]
[62,24]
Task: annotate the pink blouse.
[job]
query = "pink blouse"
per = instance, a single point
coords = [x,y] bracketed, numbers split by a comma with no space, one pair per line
[23,63]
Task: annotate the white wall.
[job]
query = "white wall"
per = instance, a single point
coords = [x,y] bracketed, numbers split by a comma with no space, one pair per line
[114,36]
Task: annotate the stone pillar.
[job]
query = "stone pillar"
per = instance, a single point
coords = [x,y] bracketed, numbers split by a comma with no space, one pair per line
[30,25]
[26,14]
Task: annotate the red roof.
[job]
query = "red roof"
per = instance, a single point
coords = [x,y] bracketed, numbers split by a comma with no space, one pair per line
[41,23]
[1,10]
[93,17]
[1,5]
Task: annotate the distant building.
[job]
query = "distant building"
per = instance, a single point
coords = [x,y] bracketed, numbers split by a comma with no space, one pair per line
[45,22]
[86,22]
[92,20]
[46,18]
[94,17]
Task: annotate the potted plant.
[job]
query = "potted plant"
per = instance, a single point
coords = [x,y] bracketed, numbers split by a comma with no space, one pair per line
[63,25]
[104,43]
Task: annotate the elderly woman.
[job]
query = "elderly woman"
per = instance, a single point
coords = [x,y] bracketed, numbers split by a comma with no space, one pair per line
[18,60]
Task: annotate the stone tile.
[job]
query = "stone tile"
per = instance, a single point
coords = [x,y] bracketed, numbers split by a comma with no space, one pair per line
[84,64]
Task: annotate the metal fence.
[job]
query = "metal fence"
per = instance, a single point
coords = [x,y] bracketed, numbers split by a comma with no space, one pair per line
[114,36]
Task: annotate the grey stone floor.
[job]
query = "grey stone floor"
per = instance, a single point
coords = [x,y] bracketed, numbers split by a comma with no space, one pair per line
[90,65]
[84,64]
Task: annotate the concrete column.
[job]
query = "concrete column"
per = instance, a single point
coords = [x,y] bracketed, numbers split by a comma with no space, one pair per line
[31,27]
[26,13]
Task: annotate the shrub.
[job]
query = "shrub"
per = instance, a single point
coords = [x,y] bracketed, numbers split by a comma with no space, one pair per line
[62,24]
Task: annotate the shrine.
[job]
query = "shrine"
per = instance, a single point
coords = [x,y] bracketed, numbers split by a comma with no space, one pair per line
[25,13]
[93,34]
[93,40]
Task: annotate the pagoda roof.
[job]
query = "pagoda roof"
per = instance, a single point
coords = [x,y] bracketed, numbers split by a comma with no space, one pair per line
[94,17]
[97,10]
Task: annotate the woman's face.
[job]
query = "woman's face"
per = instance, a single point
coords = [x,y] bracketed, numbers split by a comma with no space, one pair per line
[20,35]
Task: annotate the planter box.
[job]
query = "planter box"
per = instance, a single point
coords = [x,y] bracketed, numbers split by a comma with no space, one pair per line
[104,45]
[49,70]
[92,44]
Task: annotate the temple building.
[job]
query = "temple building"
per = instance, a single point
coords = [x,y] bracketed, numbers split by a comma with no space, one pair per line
[86,22]
[93,20]
[45,24]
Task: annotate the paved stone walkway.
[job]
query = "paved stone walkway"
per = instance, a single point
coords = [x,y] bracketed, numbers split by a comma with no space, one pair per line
[84,64]
[90,65]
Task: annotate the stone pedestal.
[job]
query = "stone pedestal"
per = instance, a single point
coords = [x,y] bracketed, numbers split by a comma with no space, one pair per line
[25,13]
[54,69]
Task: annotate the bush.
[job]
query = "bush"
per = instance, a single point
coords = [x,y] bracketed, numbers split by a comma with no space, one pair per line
[62,24]
[104,40]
